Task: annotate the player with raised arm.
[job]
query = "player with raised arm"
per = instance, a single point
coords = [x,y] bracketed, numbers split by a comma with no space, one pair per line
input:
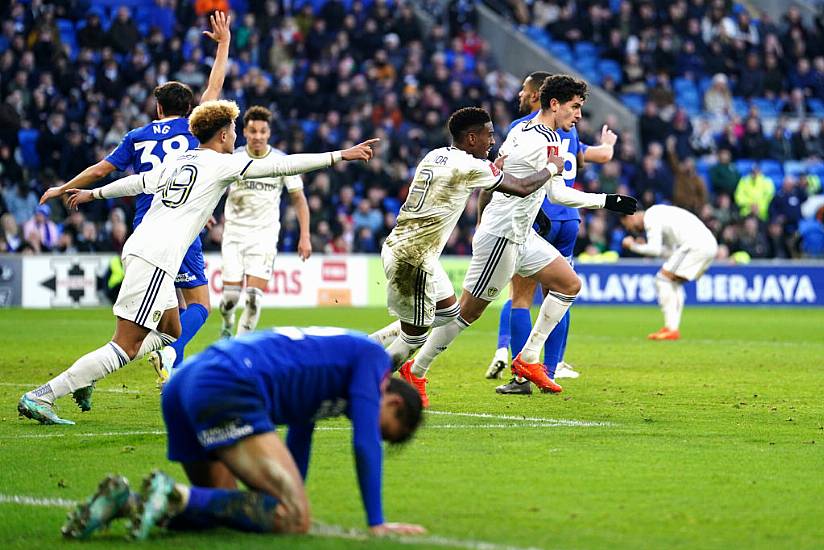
[689,246]
[558,224]
[144,149]
[506,244]
[418,290]
[186,191]
[221,410]
[250,232]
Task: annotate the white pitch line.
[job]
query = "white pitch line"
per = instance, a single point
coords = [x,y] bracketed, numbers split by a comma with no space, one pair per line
[104,390]
[553,421]
[318,529]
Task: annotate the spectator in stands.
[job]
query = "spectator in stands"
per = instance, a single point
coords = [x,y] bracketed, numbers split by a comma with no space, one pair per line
[806,144]
[20,201]
[780,146]
[753,143]
[751,81]
[12,240]
[785,208]
[123,33]
[92,35]
[688,189]
[718,99]
[724,175]
[754,193]
[40,229]
[752,240]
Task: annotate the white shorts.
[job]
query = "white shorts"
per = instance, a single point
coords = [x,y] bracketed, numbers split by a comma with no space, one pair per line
[412,292]
[145,293]
[250,258]
[689,263]
[496,259]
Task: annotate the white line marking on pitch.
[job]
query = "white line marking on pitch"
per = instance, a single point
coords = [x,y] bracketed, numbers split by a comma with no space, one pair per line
[318,529]
[104,390]
[552,421]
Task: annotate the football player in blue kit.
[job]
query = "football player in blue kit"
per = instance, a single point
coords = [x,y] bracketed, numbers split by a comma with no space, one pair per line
[221,408]
[143,149]
[558,224]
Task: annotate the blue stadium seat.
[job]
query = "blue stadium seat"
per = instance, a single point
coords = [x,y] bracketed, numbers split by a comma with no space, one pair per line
[766,107]
[28,147]
[585,49]
[309,127]
[816,106]
[744,166]
[633,102]
[611,68]
[795,167]
[682,85]
[740,106]
[392,204]
[772,166]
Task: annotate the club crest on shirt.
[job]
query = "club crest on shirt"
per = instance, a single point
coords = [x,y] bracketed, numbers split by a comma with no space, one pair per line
[495,171]
[492,291]
[156,316]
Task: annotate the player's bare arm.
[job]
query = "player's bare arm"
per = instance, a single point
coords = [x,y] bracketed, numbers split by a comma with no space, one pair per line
[221,34]
[83,179]
[603,152]
[302,212]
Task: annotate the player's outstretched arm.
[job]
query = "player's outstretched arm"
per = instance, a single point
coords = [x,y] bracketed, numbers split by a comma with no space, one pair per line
[522,187]
[83,179]
[292,165]
[654,246]
[559,193]
[124,187]
[221,34]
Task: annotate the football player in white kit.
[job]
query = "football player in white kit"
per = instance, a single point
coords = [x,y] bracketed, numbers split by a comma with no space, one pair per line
[419,292]
[690,248]
[186,191]
[250,232]
[506,244]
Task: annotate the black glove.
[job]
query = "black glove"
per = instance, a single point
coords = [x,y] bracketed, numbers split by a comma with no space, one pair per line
[622,204]
[542,224]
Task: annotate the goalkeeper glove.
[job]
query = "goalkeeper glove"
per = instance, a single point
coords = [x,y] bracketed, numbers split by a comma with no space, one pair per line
[622,204]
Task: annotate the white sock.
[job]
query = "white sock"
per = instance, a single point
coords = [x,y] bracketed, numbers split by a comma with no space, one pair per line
[671,300]
[251,315]
[228,304]
[553,308]
[438,341]
[387,334]
[402,347]
[154,341]
[446,315]
[501,354]
[85,371]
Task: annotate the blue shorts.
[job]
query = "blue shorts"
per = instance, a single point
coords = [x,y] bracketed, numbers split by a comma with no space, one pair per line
[209,404]
[562,235]
[192,272]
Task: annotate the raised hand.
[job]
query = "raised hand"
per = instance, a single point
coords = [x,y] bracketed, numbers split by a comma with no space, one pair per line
[499,162]
[396,529]
[78,197]
[51,193]
[362,151]
[220,27]
[608,137]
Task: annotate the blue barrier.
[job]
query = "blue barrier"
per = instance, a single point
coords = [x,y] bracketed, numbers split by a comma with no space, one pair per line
[756,284]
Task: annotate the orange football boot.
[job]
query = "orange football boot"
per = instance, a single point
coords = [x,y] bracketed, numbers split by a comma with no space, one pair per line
[535,373]
[417,383]
[665,334]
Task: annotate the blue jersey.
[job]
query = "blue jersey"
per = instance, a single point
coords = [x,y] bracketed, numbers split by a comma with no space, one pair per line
[301,375]
[570,146]
[144,148]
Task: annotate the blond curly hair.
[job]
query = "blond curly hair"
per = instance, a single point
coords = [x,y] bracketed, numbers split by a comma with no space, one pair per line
[208,118]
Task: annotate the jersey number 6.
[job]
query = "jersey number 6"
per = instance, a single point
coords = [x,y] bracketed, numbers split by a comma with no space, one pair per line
[178,186]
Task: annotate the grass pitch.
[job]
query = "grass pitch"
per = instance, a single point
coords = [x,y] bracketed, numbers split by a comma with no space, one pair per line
[715,441]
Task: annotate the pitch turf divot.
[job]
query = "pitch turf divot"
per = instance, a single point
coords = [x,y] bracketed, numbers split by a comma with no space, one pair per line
[317,530]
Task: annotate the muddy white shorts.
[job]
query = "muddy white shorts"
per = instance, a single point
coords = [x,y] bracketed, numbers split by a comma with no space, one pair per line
[412,292]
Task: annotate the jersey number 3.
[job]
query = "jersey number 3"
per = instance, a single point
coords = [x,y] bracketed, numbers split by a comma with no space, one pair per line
[178,186]
[417,191]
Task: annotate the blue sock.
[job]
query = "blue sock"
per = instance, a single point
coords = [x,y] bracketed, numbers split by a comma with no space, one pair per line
[521,321]
[191,320]
[504,333]
[565,337]
[242,510]
[552,348]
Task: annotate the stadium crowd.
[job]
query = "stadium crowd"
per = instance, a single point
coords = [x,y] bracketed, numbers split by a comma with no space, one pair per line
[75,78]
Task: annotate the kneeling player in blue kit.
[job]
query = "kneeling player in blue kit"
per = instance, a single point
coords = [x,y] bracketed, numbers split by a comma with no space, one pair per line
[221,408]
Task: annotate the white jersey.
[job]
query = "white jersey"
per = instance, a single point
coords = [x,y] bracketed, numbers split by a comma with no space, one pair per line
[527,146]
[443,182]
[253,205]
[186,191]
[669,228]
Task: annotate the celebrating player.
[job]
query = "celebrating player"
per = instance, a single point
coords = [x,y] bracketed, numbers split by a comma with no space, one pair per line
[221,410]
[559,225]
[690,247]
[186,191]
[505,242]
[144,149]
[418,290]
[250,233]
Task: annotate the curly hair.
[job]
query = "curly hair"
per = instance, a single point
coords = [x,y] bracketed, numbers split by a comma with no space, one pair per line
[175,98]
[257,113]
[563,88]
[464,119]
[210,117]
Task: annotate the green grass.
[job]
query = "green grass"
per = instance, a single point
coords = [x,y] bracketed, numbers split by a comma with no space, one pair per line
[715,441]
